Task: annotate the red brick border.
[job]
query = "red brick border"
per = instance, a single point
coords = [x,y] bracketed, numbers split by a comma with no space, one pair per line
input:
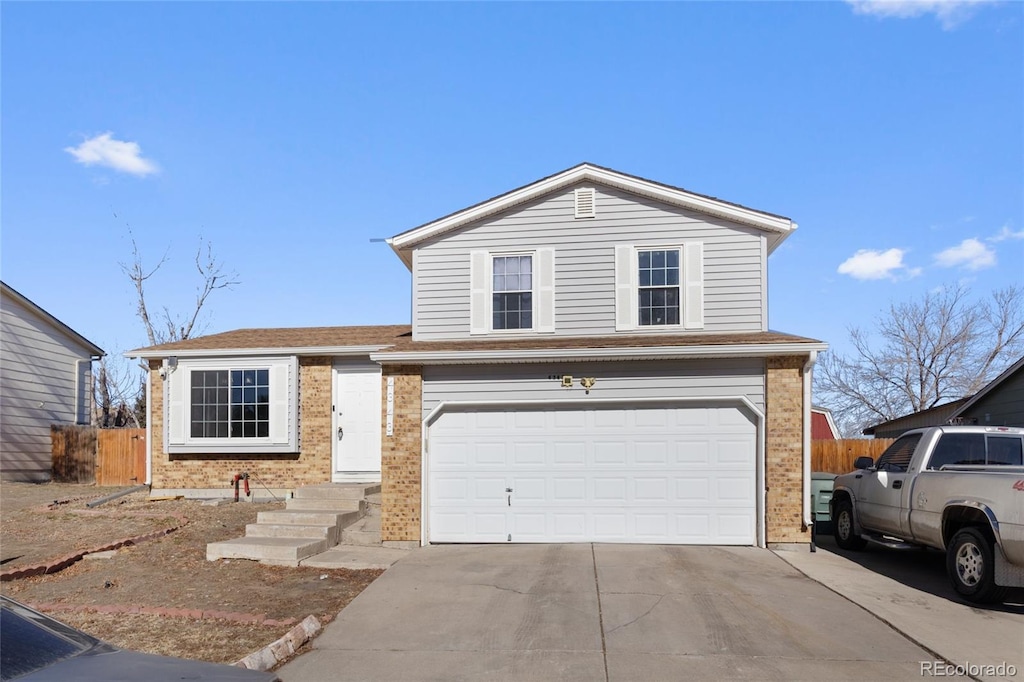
[60,563]
[192,614]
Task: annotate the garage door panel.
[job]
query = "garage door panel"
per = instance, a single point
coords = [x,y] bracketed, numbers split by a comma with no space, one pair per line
[650,475]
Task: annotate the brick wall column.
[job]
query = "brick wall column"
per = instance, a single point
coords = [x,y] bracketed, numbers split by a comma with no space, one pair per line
[784,451]
[401,456]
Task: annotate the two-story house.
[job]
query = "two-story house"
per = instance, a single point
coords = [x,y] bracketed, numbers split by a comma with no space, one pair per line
[589,360]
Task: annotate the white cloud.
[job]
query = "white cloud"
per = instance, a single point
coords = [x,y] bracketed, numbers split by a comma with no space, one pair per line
[1004,234]
[950,13]
[969,254]
[867,264]
[104,150]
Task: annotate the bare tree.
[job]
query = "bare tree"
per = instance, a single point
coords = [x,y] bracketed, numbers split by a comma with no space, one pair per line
[116,391]
[119,389]
[933,350]
[170,327]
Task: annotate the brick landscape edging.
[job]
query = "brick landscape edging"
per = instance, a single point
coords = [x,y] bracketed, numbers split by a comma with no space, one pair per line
[60,563]
[164,612]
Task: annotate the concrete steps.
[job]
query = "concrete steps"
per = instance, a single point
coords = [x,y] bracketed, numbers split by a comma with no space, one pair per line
[366,531]
[311,523]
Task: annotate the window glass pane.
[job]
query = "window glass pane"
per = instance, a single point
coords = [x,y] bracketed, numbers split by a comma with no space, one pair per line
[958,448]
[236,377]
[249,429]
[526,265]
[263,377]
[897,456]
[658,287]
[262,429]
[1005,450]
[499,266]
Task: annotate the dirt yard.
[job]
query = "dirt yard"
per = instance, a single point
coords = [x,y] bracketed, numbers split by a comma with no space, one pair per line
[160,595]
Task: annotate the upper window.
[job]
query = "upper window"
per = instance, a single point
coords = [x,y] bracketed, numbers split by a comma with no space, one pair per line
[231,403]
[658,287]
[512,292]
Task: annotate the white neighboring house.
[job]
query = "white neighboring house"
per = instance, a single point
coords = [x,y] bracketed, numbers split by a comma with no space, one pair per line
[45,378]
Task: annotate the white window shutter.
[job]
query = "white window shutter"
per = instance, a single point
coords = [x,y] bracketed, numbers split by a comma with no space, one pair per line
[545,296]
[625,291]
[280,414]
[178,414]
[479,287]
[693,285]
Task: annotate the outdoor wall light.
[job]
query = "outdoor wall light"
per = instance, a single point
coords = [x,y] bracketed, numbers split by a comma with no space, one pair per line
[566,381]
[588,383]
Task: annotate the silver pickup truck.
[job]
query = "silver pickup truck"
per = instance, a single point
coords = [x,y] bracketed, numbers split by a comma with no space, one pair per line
[959,489]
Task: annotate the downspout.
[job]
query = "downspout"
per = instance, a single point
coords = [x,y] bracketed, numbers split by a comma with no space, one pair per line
[149,426]
[808,373]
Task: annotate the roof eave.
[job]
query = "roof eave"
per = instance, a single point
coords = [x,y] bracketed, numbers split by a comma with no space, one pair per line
[147,353]
[991,386]
[469,357]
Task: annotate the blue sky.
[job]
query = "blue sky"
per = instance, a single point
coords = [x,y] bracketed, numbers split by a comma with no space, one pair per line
[291,134]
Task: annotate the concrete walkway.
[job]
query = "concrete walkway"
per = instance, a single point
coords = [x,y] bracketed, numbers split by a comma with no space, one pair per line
[602,612]
[909,590]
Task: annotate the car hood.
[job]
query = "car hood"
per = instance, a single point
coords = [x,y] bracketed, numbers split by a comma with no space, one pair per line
[118,665]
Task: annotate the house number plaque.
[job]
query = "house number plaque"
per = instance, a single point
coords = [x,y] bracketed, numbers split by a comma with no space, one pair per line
[390,410]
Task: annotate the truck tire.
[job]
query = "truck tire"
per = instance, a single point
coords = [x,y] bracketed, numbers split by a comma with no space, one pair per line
[843,530]
[970,564]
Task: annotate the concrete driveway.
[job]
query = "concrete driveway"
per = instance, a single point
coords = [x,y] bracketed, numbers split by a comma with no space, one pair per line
[603,612]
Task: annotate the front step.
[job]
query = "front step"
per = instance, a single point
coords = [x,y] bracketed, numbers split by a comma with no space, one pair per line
[290,530]
[337,491]
[311,523]
[324,504]
[277,551]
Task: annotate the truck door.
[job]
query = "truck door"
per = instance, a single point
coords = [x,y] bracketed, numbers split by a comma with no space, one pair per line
[881,494]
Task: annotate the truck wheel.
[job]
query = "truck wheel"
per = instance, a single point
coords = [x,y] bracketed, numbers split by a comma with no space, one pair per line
[843,531]
[970,563]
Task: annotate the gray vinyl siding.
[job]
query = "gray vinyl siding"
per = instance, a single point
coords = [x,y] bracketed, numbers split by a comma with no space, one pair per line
[734,264]
[615,380]
[1004,406]
[38,388]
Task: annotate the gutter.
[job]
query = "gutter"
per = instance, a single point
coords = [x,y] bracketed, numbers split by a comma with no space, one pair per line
[808,374]
[499,356]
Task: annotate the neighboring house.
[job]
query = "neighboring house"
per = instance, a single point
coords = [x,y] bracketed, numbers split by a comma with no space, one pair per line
[933,416]
[823,427]
[998,403]
[589,360]
[45,378]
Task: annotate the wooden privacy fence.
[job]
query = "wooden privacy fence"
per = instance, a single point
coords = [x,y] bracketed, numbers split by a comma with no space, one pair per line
[85,454]
[836,456]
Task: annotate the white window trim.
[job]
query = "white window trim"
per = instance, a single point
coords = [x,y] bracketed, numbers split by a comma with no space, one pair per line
[541,290]
[691,287]
[284,417]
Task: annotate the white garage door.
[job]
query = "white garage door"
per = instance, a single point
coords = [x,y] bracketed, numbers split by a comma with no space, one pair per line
[673,475]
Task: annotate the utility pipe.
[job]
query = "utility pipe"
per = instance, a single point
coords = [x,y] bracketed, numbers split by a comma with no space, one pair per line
[808,373]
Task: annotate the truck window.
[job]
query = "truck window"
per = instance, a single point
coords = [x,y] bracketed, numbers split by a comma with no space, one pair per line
[897,456]
[958,448]
[1006,450]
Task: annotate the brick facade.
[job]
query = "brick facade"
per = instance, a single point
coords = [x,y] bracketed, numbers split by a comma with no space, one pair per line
[784,451]
[401,465]
[311,465]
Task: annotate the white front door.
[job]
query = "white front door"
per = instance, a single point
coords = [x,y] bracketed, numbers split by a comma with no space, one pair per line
[356,423]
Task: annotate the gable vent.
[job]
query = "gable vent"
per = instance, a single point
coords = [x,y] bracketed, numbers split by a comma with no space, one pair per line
[585,202]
